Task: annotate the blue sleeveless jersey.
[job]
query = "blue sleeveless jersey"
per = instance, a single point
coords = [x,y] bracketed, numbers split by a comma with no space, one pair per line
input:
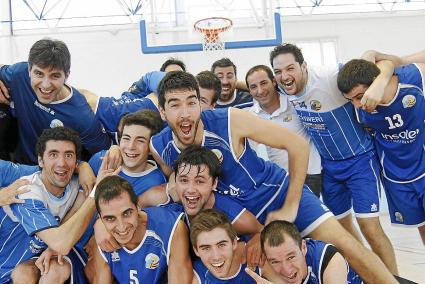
[314,258]
[141,182]
[329,118]
[255,183]
[33,116]
[399,127]
[205,277]
[9,172]
[148,262]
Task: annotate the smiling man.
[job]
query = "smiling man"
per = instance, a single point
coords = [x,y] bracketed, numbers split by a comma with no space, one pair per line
[155,245]
[40,98]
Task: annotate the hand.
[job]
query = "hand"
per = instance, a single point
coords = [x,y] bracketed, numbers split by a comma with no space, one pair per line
[288,213]
[370,56]
[8,194]
[86,177]
[105,170]
[253,251]
[4,94]
[114,157]
[256,277]
[43,262]
[104,239]
[372,97]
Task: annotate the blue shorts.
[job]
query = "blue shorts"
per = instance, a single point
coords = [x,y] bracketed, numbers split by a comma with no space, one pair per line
[406,202]
[353,182]
[311,212]
[78,262]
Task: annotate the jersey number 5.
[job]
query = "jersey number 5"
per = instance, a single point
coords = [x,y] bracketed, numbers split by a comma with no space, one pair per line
[133,277]
[395,121]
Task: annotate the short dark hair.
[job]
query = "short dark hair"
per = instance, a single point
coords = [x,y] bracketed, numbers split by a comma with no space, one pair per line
[206,221]
[208,80]
[172,61]
[58,134]
[148,118]
[110,188]
[195,155]
[50,53]
[176,80]
[356,72]
[287,48]
[274,234]
[259,68]
[223,62]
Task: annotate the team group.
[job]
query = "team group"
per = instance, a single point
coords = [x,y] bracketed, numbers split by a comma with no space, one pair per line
[164,184]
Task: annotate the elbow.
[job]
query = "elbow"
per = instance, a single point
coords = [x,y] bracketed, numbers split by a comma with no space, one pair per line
[61,247]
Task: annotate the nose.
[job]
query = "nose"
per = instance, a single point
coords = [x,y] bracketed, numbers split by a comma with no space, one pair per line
[285,269]
[184,112]
[61,160]
[131,144]
[120,225]
[45,83]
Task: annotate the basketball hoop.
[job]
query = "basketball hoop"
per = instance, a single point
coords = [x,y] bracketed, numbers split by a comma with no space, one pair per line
[211,28]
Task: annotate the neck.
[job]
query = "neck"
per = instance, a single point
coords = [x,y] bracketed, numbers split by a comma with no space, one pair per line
[138,169]
[273,106]
[53,189]
[140,231]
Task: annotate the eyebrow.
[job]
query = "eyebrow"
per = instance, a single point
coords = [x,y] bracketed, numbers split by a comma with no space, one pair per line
[137,137]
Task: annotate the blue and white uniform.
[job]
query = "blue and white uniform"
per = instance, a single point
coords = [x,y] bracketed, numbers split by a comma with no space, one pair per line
[317,258]
[110,110]
[145,85]
[141,182]
[21,222]
[241,99]
[204,276]
[400,143]
[148,262]
[9,172]
[33,116]
[350,166]
[258,185]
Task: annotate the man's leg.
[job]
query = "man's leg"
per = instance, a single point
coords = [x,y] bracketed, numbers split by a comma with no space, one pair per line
[422,233]
[26,273]
[367,264]
[347,223]
[378,241]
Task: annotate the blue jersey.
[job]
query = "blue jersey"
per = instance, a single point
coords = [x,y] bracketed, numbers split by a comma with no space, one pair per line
[145,85]
[33,116]
[148,262]
[9,172]
[399,127]
[242,99]
[317,258]
[20,222]
[204,276]
[141,182]
[255,183]
[329,118]
[109,110]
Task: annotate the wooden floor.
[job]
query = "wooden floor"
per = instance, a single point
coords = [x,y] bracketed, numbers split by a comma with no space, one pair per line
[409,250]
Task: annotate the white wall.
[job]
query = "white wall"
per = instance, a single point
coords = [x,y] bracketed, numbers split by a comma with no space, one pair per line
[107,62]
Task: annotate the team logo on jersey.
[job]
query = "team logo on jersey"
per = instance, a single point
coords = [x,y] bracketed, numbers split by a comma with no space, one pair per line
[218,154]
[287,118]
[115,256]
[36,245]
[373,207]
[315,105]
[151,261]
[56,123]
[408,101]
[399,217]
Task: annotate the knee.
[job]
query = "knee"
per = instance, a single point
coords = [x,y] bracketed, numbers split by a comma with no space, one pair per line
[57,273]
[371,228]
[25,272]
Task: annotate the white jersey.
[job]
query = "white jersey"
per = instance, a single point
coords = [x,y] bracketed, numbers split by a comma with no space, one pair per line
[287,117]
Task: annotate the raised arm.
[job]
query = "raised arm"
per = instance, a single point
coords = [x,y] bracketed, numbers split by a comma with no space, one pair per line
[180,264]
[246,125]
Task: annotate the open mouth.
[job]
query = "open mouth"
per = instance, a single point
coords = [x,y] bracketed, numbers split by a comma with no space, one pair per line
[61,174]
[288,83]
[218,266]
[191,201]
[131,156]
[186,127]
[291,278]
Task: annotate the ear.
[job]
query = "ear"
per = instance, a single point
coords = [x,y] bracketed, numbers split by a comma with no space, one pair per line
[40,162]
[215,182]
[196,251]
[67,75]
[303,247]
[162,113]
[304,66]
[235,244]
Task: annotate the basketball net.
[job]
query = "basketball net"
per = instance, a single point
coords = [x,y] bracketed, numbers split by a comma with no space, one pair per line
[211,28]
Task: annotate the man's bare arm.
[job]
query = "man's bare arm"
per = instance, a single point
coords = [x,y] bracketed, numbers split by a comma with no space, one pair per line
[180,264]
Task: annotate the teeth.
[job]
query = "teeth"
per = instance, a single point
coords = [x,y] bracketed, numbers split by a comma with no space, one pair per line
[131,155]
[218,264]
